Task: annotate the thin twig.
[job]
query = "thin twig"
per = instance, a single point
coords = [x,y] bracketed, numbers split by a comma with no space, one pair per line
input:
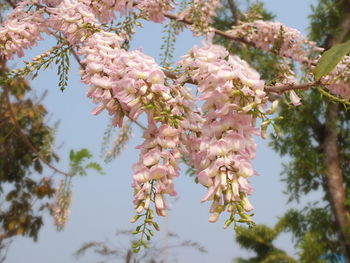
[276,89]
[136,122]
[234,11]
[75,55]
[25,137]
[281,89]
[228,35]
[216,31]
[82,66]
[10,3]
[6,235]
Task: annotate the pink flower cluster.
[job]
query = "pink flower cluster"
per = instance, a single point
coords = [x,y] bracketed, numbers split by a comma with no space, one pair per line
[73,19]
[274,36]
[125,82]
[155,9]
[156,168]
[201,14]
[223,152]
[105,10]
[339,79]
[132,83]
[21,30]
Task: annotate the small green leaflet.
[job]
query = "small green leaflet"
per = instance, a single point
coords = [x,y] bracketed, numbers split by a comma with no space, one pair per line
[330,59]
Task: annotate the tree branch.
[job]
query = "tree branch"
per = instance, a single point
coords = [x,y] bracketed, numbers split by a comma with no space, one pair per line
[283,88]
[6,235]
[275,89]
[234,11]
[10,3]
[334,177]
[216,31]
[228,35]
[25,137]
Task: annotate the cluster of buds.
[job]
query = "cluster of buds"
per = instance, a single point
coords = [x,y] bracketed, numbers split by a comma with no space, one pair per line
[224,149]
[60,208]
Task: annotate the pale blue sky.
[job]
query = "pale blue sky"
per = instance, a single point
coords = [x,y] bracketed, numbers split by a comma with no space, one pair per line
[103,204]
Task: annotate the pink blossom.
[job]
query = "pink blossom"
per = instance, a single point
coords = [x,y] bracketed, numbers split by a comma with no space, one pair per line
[157,164]
[71,18]
[294,98]
[265,34]
[225,146]
[155,9]
[21,30]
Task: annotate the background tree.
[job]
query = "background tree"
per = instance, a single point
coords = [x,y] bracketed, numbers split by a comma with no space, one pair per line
[156,253]
[26,148]
[260,240]
[317,141]
[23,134]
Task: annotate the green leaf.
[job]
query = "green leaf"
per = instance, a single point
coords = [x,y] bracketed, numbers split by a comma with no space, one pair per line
[330,59]
[95,166]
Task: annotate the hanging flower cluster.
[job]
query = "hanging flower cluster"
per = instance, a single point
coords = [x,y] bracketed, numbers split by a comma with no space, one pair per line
[130,83]
[223,152]
[61,206]
[276,37]
[157,166]
[125,82]
[21,30]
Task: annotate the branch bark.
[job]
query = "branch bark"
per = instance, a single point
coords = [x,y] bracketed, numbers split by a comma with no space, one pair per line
[234,11]
[334,176]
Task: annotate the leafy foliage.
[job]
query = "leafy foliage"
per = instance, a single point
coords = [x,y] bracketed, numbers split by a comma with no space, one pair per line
[171,30]
[63,67]
[314,245]
[314,227]
[330,59]
[260,240]
[18,188]
[324,19]
[78,165]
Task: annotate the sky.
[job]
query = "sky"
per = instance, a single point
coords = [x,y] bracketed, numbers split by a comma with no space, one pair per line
[102,204]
